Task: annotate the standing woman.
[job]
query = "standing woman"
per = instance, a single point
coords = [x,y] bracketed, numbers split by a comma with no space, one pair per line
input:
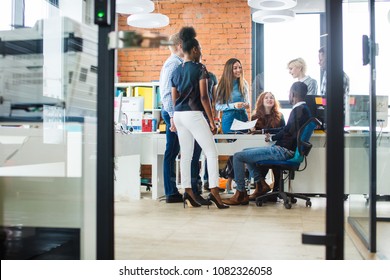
[269,120]
[190,99]
[232,94]
[232,101]
[297,69]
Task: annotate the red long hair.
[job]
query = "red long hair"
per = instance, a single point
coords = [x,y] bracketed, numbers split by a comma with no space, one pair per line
[264,120]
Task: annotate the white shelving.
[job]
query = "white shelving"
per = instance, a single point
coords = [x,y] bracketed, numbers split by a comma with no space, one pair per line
[152,103]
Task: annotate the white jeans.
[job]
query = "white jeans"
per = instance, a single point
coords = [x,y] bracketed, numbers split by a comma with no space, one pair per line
[192,125]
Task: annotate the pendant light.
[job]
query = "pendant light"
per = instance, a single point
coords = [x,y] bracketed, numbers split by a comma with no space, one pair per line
[263,16]
[272,4]
[148,20]
[134,6]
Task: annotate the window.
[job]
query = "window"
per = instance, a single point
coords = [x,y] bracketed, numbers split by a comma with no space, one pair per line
[356,24]
[13,14]
[6,15]
[286,41]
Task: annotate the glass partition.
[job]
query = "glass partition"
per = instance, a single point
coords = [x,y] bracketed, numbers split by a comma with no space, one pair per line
[383,132]
[357,141]
[48,136]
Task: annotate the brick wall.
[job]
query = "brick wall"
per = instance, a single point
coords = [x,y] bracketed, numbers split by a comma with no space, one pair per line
[223,28]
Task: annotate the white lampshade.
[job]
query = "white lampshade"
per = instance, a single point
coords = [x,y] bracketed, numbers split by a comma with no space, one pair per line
[273,16]
[130,7]
[148,20]
[272,4]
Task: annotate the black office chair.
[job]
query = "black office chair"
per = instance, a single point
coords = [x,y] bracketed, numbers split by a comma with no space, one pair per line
[290,166]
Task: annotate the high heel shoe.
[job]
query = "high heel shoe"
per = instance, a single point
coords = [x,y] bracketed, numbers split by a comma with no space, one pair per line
[187,198]
[212,198]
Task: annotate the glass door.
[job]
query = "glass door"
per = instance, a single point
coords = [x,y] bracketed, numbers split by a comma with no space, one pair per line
[357,140]
[367,151]
[48,131]
[382,26]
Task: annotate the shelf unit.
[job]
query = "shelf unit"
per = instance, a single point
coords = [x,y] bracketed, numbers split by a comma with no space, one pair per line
[152,101]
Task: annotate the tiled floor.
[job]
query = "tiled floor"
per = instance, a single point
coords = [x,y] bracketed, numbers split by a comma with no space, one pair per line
[147,229]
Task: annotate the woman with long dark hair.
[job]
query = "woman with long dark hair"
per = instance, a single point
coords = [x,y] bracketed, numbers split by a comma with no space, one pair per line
[232,94]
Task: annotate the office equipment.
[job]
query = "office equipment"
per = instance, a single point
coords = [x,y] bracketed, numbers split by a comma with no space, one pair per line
[291,165]
[132,104]
[358,110]
[317,107]
[132,111]
[151,93]
[30,63]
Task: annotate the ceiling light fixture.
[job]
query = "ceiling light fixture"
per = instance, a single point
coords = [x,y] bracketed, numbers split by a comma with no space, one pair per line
[273,16]
[148,20]
[272,4]
[134,6]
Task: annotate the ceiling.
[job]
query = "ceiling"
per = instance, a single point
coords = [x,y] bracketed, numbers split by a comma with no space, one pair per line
[309,6]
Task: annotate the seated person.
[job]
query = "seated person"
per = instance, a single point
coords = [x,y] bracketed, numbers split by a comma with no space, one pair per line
[283,149]
[269,120]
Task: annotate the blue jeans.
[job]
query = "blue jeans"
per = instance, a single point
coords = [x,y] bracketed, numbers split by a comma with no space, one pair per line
[172,149]
[250,156]
[228,117]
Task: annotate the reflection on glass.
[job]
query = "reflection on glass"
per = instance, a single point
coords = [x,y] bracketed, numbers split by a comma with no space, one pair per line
[357,142]
[48,140]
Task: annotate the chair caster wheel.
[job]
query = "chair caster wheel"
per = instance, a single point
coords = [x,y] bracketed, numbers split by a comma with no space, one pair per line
[308,203]
[294,200]
[287,205]
[259,203]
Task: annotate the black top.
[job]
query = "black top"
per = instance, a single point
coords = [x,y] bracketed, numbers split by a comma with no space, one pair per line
[186,79]
[211,82]
[287,137]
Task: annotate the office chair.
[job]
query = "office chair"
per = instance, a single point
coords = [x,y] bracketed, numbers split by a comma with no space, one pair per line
[290,166]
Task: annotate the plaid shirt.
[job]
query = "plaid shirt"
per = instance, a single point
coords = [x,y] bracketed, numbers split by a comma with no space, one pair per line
[346,84]
[165,82]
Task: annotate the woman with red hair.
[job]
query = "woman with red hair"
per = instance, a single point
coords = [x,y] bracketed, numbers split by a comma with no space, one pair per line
[269,120]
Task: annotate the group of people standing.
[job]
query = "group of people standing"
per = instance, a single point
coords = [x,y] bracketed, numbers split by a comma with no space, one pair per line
[192,98]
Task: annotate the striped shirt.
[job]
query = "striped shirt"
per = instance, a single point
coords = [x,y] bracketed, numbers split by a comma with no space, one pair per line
[165,82]
[346,84]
